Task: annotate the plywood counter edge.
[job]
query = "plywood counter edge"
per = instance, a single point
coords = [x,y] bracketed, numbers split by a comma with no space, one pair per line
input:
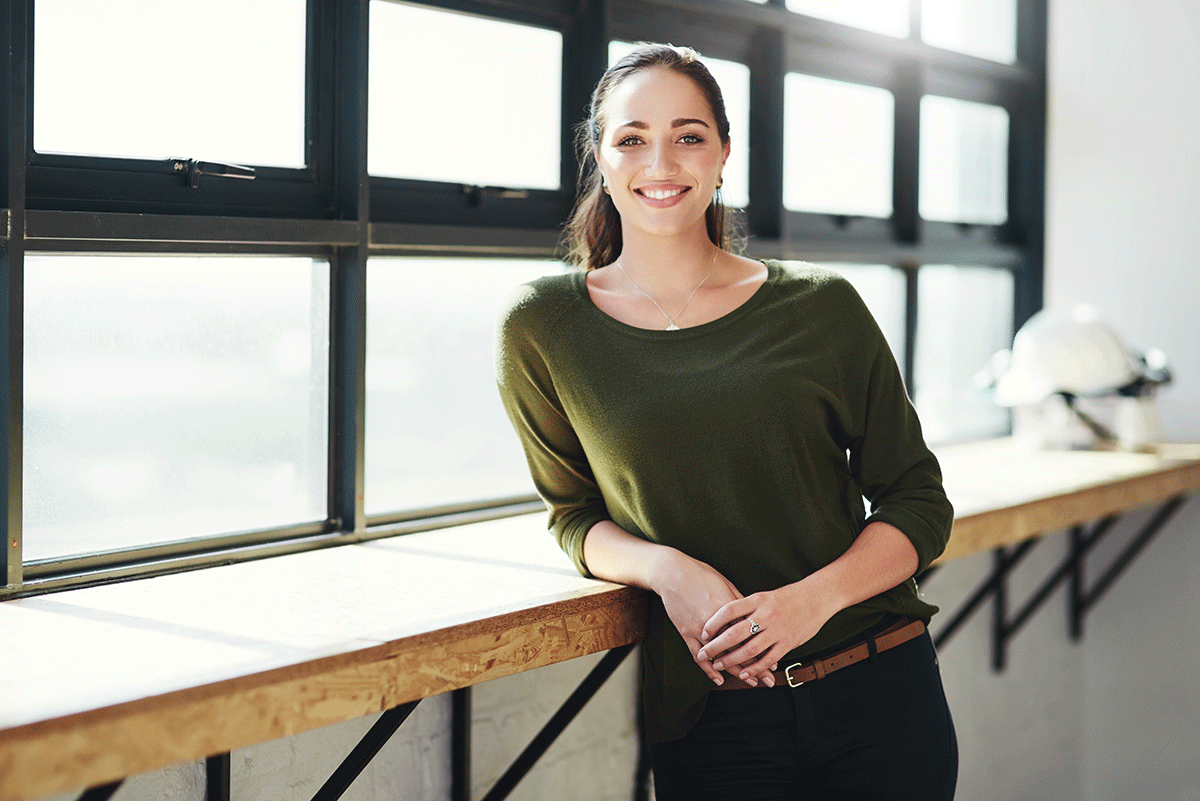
[106,744]
[1013,523]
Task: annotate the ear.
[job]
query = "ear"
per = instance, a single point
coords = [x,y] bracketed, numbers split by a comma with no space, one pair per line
[727,149]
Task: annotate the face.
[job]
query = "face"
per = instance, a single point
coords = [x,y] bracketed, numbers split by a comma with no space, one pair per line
[660,152]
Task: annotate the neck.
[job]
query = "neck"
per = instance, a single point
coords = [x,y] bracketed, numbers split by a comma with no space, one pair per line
[667,264]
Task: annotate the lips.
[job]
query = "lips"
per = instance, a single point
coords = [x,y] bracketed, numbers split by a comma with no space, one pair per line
[667,195]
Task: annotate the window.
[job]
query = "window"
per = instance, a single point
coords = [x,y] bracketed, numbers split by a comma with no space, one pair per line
[436,434]
[484,116]
[882,16]
[838,147]
[968,317]
[204,364]
[984,28]
[964,161]
[152,390]
[138,79]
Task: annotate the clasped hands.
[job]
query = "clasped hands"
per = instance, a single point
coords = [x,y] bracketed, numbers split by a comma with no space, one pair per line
[715,621]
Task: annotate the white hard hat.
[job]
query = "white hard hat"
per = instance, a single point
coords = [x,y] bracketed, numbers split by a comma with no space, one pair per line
[1071,351]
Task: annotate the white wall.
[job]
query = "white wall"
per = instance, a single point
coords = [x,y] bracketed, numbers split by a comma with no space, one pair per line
[1123,233]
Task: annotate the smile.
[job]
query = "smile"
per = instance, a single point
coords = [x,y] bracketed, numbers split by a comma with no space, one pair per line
[662,194]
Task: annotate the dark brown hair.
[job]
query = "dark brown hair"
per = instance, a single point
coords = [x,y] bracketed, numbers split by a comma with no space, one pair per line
[594,229]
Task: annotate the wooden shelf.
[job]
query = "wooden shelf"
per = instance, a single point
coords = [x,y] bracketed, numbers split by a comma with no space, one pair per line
[105,682]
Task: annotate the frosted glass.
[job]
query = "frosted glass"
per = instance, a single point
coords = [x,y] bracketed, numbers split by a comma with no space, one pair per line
[964,316]
[734,80]
[171,397]
[882,16]
[883,289]
[436,432]
[838,147]
[984,28]
[964,161]
[218,80]
[464,99]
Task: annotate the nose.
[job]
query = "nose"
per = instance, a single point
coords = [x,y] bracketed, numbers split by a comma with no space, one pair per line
[661,161]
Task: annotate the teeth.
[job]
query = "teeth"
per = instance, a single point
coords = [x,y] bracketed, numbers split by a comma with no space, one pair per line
[661,194]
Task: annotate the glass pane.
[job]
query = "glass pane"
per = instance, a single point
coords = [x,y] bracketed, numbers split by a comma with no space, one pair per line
[463,99]
[964,161]
[436,432]
[882,288]
[734,80]
[882,16]
[964,317]
[837,155]
[207,79]
[171,397]
[984,28]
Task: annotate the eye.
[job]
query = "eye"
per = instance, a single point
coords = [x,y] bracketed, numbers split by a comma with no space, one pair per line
[691,139]
[629,141]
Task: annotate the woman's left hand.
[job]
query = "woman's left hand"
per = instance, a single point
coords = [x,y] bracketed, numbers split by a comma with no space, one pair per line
[785,618]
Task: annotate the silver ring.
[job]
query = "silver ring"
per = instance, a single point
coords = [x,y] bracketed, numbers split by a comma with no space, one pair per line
[754,627]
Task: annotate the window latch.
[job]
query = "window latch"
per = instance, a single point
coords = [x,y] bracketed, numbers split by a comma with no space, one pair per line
[193,169]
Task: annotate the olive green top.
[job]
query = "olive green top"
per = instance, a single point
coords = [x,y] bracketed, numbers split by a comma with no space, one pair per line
[748,442]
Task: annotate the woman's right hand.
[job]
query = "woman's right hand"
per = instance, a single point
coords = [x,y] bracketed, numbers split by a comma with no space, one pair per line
[691,592]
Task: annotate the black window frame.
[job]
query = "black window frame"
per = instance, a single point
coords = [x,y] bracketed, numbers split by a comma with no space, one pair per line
[332,209]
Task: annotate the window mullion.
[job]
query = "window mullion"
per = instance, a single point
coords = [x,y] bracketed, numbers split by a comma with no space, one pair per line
[348,287]
[12,260]
[768,64]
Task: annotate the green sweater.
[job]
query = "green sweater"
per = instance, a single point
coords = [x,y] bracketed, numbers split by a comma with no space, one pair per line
[748,442]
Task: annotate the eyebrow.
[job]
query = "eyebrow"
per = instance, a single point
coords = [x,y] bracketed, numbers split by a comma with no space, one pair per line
[678,123]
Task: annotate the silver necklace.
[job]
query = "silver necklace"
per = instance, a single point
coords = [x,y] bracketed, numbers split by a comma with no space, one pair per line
[671,320]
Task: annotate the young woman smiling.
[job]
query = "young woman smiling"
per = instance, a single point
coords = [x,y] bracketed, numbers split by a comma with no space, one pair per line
[706,426]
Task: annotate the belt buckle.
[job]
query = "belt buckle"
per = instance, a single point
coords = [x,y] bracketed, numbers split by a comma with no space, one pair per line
[787,672]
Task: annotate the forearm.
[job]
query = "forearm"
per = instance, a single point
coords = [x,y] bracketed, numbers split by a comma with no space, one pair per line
[880,558]
[613,554]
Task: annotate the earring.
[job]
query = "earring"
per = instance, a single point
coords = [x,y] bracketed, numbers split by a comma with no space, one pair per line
[720,181]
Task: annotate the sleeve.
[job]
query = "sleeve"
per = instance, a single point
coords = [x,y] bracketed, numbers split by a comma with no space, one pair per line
[560,469]
[897,472]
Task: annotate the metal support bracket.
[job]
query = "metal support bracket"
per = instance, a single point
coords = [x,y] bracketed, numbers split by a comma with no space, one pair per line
[101,792]
[364,752]
[218,778]
[1080,598]
[566,713]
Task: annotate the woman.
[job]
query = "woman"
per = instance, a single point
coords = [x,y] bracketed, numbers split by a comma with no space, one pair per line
[706,426]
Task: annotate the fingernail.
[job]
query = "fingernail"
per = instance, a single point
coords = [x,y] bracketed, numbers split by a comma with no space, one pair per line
[718,666]
[743,675]
[704,636]
[752,682]
[701,655]
[719,680]
[775,667]
[769,681]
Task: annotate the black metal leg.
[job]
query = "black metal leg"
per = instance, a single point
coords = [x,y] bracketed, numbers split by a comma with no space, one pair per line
[1071,568]
[1148,532]
[1000,610]
[460,745]
[101,792]
[995,579]
[1075,597]
[217,774]
[362,754]
[557,723]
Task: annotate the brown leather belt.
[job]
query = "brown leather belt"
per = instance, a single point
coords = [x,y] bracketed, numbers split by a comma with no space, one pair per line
[802,673]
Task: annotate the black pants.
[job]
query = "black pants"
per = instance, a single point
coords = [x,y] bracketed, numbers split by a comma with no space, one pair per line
[877,730]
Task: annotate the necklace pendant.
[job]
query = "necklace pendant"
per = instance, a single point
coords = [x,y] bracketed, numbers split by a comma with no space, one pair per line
[672,327]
